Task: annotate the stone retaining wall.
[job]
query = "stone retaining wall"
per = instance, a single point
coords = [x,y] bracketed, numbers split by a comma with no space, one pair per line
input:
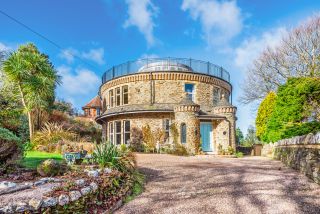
[301,153]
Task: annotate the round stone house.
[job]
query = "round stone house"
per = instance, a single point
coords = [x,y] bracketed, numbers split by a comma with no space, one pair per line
[189,94]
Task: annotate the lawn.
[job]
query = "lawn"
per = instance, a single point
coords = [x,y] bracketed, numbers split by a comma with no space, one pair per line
[33,158]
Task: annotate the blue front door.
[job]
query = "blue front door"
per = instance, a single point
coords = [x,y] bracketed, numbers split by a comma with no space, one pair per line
[206,136]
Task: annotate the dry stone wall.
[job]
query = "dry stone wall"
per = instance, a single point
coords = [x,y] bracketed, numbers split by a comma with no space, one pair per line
[301,153]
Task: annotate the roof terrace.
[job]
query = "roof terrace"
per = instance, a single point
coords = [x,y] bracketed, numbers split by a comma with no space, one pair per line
[166,64]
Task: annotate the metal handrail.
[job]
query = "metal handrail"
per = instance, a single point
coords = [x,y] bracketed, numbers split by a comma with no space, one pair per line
[196,66]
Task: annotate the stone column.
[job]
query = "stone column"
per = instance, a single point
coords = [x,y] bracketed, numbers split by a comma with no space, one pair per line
[229,113]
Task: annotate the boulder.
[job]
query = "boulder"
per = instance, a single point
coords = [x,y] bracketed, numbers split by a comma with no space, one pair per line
[74,195]
[93,173]
[49,202]
[35,203]
[80,182]
[49,167]
[94,186]
[63,199]
[21,207]
[85,190]
[7,185]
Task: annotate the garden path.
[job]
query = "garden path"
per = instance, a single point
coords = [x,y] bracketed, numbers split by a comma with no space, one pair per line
[208,184]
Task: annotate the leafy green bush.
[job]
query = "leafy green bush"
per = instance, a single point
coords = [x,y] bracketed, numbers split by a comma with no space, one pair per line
[108,155]
[296,110]
[9,146]
[264,114]
[239,154]
[51,167]
[301,129]
[178,149]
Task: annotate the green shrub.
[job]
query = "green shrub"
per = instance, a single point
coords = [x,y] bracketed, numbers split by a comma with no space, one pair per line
[239,154]
[296,109]
[108,155]
[179,149]
[301,129]
[9,146]
[230,150]
[51,167]
[264,114]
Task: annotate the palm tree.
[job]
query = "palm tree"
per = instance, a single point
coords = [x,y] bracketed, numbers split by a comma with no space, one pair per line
[34,77]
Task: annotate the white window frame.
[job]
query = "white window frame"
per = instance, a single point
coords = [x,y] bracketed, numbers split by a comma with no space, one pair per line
[125,93]
[190,93]
[111,132]
[111,98]
[126,131]
[118,95]
[116,134]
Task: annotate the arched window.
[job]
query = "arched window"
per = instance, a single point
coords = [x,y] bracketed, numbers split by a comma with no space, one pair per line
[183,133]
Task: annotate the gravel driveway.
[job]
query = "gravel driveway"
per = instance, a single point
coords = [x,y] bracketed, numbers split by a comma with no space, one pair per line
[208,184]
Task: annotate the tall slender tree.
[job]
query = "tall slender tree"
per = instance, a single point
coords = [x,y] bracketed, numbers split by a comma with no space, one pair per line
[34,78]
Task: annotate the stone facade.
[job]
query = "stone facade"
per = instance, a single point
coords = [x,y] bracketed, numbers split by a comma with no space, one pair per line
[159,98]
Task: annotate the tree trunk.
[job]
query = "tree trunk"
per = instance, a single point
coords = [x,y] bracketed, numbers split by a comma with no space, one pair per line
[30,125]
[28,112]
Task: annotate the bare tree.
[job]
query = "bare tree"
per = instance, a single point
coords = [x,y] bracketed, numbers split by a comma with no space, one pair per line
[297,55]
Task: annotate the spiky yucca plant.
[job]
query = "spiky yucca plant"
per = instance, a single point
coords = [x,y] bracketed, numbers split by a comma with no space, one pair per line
[108,155]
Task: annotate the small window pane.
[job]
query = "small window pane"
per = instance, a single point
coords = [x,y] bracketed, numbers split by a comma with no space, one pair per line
[111,132]
[118,132]
[127,126]
[125,94]
[166,127]
[126,133]
[216,95]
[111,98]
[189,88]
[183,133]
[118,100]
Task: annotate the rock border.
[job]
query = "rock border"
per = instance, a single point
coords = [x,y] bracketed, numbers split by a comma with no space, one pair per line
[34,205]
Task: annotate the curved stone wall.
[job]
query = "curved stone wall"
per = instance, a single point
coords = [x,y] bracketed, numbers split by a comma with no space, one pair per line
[166,87]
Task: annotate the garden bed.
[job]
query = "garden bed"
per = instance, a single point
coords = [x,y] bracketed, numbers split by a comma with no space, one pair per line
[94,191]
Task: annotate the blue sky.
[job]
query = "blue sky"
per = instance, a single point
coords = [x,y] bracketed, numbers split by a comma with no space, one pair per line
[106,33]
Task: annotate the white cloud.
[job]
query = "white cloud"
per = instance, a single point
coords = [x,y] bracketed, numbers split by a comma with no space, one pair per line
[252,47]
[141,14]
[80,82]
[220,21]
[96,55]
